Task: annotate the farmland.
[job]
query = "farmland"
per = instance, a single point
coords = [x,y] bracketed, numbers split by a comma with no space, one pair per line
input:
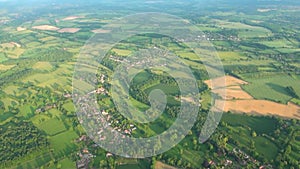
[259,49]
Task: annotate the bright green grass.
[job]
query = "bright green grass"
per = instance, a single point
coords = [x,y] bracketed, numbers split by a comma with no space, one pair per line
[278,43]
[69,107]
[7,101]
[205,100]
[26,111]
[141,77]
[256,32]
[39,160]
[52,126]
[271,87]
[67,163]
[245,31]
[61,76]
[296,101]
[140,106]
[189,55]
[194,157]
[167,89]
[229,56]
[55,113]
[2,57]
[288,50]
[122,52]
[63,143]
[265,147]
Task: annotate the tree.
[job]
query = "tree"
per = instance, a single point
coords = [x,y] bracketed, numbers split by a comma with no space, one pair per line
[288,150]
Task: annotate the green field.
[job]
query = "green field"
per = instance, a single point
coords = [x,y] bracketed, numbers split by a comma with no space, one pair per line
[271,86]
[255,123]
[266,147]
[257,42]
[63,143]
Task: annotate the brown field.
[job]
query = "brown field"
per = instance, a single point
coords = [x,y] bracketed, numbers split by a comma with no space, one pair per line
[229,81]
[263,107]
[238,101]
[72,18]
[101,31]
[68,30]
[46,28]
[160,165]
[234,92]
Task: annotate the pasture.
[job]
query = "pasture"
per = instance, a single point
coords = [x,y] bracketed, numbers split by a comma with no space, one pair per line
[51,126]
[265,147]
[271,86]
[63,143]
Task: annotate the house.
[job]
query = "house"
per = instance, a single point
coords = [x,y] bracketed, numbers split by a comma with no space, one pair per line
[82,164]
[100,90]
[86,151]
[82,138]
[127,132]
[228,162]
[109,155]
[104,113]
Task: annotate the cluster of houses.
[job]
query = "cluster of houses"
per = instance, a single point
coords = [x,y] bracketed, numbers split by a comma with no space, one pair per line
[47,107]
[85,157]
[219,37]
[239,157]
[243,158]
[110,122]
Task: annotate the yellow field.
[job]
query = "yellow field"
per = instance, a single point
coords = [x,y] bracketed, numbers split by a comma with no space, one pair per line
[160,165]
[42,66]
[122,52]
[46,27]
[68,30]
[228,56]
[6,67]
[239,101]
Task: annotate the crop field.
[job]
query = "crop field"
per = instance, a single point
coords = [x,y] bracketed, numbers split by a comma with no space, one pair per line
[122,52]
[259,49]
[239,101]
[279,43]
[271,86]
[63,143]
[66,163]
[46,28]
[248,31]
[231,56]
[52,126]
[44,66]
[6,67]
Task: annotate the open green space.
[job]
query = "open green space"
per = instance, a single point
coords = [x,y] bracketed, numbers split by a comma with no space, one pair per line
[271,86]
